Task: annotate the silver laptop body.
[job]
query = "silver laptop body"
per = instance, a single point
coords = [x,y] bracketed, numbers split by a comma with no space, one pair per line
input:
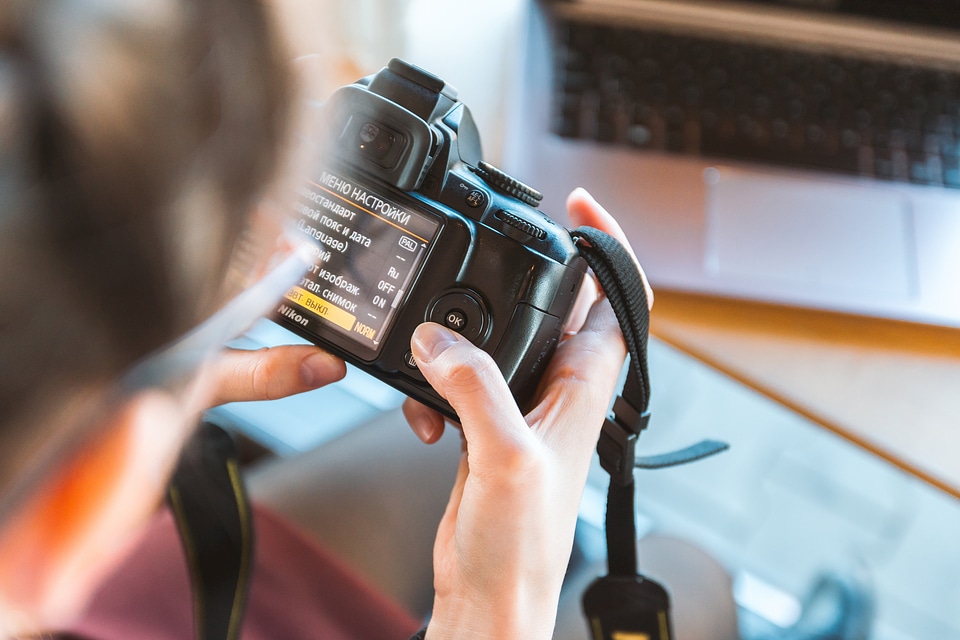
[856,213]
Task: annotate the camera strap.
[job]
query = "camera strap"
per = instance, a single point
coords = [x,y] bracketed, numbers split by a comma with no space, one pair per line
[210,505]
[625,604]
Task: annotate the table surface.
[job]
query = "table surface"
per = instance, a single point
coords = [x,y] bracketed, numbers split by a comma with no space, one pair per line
[892,388]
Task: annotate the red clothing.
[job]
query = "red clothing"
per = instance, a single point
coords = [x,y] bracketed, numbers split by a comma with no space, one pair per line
[298,590]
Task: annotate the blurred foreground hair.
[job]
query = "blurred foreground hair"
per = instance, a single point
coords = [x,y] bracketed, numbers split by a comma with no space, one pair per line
[135,138]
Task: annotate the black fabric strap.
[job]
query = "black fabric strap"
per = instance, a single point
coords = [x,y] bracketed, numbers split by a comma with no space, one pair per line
[210,504]
[620,280]
[621,530]
[624,603]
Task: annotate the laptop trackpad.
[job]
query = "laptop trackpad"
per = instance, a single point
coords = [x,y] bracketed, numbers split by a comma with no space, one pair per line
[808,235]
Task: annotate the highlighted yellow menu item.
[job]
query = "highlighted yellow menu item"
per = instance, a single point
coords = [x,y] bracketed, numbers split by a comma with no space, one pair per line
[321,307]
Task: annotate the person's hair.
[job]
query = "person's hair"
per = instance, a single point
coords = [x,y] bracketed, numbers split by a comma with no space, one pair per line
[135,137]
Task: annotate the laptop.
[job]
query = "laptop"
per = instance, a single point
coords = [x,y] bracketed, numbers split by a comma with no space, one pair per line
[796,152]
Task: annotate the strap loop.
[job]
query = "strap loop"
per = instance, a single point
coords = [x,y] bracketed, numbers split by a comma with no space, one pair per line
[699,451]
[617,446]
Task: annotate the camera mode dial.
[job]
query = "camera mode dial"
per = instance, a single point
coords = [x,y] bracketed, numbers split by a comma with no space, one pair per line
[507,185]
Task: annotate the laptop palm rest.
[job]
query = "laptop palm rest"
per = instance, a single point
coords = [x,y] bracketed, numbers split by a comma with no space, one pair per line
[806,235]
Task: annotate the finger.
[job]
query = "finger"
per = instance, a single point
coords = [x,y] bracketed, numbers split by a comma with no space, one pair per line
[470,381]
[581,307]
[579,381]
[584,210]
[275,372]
[424,421]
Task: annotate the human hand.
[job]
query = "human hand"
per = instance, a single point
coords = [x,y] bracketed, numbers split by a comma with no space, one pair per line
[237,375]
[504,542]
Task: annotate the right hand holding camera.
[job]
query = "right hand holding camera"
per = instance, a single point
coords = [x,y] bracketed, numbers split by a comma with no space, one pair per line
[503,544]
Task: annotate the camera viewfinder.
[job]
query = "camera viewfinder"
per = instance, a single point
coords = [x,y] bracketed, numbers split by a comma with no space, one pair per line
[378,143]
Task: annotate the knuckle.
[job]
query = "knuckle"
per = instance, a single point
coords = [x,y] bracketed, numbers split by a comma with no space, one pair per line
[263,376]
[521,468]
[580,371]
[523,462]
[588,375]
[471,370]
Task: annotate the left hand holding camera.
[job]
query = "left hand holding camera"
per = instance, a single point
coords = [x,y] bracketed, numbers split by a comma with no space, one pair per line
[504,542]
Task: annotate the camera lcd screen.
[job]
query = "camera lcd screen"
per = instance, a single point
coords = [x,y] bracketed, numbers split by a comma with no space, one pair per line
[368,252]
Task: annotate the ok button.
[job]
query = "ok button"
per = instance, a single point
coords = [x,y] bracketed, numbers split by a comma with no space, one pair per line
[455,319]
[462,312]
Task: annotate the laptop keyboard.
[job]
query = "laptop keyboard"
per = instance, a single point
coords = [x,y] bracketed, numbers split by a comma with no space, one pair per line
[724,99]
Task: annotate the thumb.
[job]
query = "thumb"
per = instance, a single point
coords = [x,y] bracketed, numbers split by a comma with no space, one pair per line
[470,381]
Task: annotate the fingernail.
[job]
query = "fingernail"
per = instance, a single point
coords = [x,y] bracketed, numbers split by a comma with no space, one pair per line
[419,427]
[319,368]
[426,429]
[430,340]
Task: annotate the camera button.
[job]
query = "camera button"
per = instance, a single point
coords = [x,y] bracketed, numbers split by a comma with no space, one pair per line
[412,371]
[476,198]
[410,361]
[455,319]
[462,313]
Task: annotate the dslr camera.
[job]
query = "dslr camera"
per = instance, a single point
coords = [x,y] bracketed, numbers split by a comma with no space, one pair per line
[410,225]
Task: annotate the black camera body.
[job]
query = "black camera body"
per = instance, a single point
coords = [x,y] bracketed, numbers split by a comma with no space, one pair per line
[410,225]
